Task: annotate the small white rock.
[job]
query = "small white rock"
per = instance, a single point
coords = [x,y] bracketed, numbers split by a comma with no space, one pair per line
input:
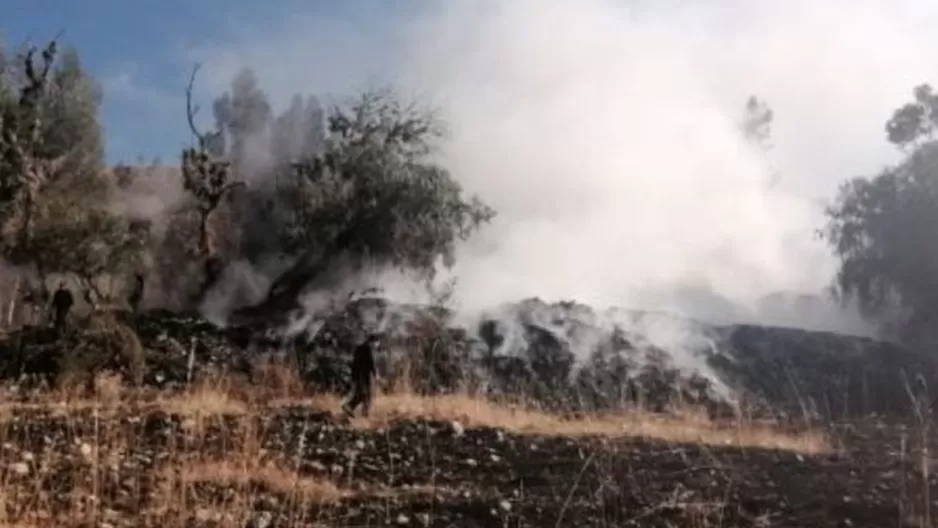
[403,519]
[20,468]
[263,520]
[504,505]
[458,429]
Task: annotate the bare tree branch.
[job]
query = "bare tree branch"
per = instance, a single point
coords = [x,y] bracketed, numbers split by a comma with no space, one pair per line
[203,139]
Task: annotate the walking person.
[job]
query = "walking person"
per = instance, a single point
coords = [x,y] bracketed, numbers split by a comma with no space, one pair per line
[62,302]
[136,294]
[363,372]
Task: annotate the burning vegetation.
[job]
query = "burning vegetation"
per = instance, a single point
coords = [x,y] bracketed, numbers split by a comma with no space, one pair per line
[214,307]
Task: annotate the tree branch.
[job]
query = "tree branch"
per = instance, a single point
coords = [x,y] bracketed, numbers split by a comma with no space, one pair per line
[191,110]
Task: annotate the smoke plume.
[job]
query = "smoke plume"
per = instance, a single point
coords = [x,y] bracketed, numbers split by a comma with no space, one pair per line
[606,136]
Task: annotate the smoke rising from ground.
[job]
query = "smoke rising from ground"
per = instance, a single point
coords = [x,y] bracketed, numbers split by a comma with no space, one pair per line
[605,135]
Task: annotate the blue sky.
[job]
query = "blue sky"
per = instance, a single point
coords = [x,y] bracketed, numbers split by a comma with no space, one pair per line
[141,52]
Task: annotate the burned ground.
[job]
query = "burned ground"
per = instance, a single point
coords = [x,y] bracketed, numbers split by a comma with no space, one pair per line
[532,351]
[176,422]
[299,467]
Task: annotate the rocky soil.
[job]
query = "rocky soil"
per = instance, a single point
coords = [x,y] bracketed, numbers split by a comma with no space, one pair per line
[129,468]
[126,464]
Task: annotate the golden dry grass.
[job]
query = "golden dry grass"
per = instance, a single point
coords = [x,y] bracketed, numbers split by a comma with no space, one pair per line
[242,473]
[686,428]
[244,469]
[221,397]
[202,400]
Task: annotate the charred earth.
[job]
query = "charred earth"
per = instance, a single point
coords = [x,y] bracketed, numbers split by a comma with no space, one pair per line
[805,428]
[563,357]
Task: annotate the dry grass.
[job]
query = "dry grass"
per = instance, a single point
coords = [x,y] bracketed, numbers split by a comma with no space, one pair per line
[211,399]
[202,400]
[243,474]
[686,428]
[185,471]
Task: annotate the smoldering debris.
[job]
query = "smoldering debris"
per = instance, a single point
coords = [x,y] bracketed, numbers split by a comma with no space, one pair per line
[560,356]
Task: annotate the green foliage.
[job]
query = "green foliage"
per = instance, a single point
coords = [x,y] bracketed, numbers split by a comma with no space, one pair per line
[915,121]
[74,236]
[53,191]
[70,116]
[206,176]
[23,168]
[882,229]
[376,193]
[207,180]
[361,183]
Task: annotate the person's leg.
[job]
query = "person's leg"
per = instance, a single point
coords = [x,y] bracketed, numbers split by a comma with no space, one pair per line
[354,401]
[367,396]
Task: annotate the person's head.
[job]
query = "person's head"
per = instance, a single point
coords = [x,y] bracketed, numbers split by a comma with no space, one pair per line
[374,340]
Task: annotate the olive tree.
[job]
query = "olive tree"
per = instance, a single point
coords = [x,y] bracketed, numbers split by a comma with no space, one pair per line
[54,192]
[375,195]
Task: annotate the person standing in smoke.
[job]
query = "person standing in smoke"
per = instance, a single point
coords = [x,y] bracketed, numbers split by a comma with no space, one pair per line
[136,294]
[62,302]
[363,371]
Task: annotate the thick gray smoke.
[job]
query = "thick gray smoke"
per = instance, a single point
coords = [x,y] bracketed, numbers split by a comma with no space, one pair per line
[605,134]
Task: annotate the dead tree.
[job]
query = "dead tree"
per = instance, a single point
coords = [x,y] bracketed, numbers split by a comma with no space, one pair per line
[208,180]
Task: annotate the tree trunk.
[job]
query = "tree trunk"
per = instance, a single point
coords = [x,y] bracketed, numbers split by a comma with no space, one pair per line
[14,297]
[204,248]
[283,295]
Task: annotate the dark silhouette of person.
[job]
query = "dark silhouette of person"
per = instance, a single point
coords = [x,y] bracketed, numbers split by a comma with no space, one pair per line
[62,302]
[136,295]
[363,371]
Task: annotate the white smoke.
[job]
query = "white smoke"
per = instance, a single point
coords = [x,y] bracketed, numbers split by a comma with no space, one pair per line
[605,134]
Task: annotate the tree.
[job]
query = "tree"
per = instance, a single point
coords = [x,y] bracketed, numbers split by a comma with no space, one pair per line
[207,178]
[375,195]
[241,116]
[25,167]
[298,133]
[74,237]
[915,121]
[882,229]
[756,125]
[54,193]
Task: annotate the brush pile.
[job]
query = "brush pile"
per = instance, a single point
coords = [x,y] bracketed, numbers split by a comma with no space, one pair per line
[563,357]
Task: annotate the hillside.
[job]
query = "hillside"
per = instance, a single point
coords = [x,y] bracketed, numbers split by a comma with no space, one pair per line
[565,357]
[163,419]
